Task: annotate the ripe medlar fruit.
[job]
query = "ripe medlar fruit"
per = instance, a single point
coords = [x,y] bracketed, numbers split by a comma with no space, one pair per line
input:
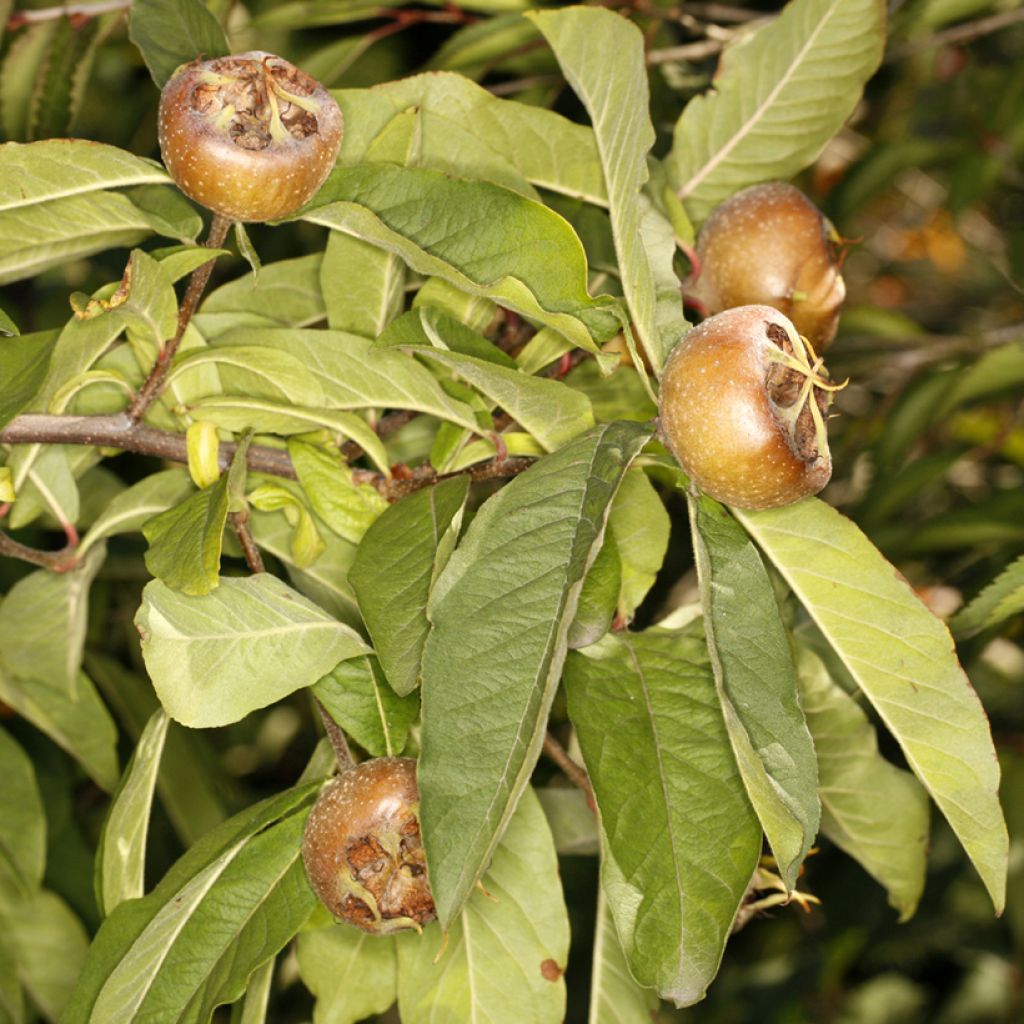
[362,849]
[770,245]
[742,407]
[249,137]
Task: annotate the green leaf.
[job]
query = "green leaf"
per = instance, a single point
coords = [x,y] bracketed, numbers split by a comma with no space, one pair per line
[887,836]
[501,612]
[354,374]
[346,507]
[288,295]
[185,541]
[1001,599]
[227,906]
[617,98]
[23,366]
[75,720]
[363,285]
[549,410]
[133,507]
[255,371]
[902,657]
[757,685]
[57,87]
[466,131]
[7,327]
[173,32]
[394,570]
[252,641]
[191,780]
[359,699]
[43,619]
[55,169]
[49,944]
[680,838]
[598,598]
[505,955]
[478,236]
[351,974]
[121,857]
[170,214]
[780,94]
[326,580]
[23,823]
[640,527]
[615,998]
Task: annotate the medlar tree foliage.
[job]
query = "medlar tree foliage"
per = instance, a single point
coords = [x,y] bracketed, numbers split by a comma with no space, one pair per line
[402,471]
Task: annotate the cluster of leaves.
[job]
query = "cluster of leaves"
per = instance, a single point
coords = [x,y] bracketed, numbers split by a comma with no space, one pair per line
[347,409]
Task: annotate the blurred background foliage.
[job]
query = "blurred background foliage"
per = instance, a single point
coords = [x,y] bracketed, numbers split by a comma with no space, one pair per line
[926,180]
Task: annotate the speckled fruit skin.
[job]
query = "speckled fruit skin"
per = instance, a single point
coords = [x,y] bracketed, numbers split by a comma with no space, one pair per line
[720,420]
[238,181]
[362,850]
[770,245]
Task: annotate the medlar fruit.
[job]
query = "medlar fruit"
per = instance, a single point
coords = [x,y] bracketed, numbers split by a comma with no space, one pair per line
[250,137]
[742,407]
[362,850]
[770,245]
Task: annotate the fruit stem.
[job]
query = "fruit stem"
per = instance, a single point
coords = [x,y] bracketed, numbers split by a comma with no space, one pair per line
[154,383]
[337,738]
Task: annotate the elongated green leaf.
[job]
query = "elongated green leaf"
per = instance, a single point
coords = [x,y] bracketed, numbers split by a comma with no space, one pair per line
[57,168]
[288,295]
[215,658]
[506,955]
[326,580]
[779,96]
[42,623]
[549,410]
[23,823]
[191,780]
[57,88]
[346,507]
[121,858]
[257,371]
[757,685]
[75,720]
[35,238]
[185,541]
[501,612]
[640,527]
[363,286]
[680,838]
[49,945]
[480,237]
[359,699]
[888,837]
[395,566]
[139,503]
[902,657]
[1001,599]
[173,32]
[23,364]
[353,975]
[465,130]
[7,326]
[356,375]
[616,96]
[615,998]
[231,902]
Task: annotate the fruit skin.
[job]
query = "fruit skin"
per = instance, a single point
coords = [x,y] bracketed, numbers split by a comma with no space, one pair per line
[362,850]
[233,140]
[770,245]
[731,413]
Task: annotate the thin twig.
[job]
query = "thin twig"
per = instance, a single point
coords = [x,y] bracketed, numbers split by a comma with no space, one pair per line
[193,293]
[966,33]
[576,775]
[56,561]
[253,558]
[337,738]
